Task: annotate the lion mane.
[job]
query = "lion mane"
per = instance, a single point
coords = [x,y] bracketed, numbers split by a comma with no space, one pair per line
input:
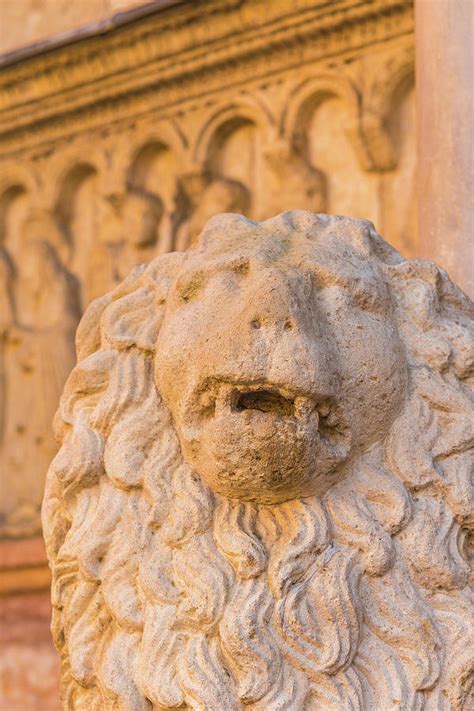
[166,595]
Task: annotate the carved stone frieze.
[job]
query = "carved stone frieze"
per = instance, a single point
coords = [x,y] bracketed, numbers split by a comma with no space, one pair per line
[126,140]
[63,83]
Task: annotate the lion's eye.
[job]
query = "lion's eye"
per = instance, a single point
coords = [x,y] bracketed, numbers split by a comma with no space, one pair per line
[357,293]
[241,268]
[189,286]
[368,298]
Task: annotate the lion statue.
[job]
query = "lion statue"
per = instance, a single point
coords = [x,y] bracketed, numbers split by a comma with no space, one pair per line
[262,497]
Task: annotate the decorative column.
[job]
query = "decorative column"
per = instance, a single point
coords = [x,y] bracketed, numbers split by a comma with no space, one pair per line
[445,98]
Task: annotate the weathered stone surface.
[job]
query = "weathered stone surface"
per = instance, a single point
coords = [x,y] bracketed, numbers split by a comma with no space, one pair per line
[262,496]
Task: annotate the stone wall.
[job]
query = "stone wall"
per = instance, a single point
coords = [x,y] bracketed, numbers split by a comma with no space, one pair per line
[119,144]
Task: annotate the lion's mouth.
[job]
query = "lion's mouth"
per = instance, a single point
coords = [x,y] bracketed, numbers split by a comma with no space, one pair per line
[264,401]
[256,400]
[323,414]
[266,398]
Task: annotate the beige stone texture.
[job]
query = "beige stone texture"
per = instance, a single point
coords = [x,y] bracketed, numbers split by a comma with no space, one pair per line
[263,494]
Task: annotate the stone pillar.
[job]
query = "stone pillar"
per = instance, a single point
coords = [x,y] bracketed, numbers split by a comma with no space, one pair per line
[445,97]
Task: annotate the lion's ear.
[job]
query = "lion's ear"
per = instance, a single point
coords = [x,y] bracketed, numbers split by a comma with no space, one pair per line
[444,289]
[88,334]
[88,331]
[161,273]
[135,318]
[132,321]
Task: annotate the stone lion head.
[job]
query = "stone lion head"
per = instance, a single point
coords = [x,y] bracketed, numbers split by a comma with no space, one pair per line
[262,496]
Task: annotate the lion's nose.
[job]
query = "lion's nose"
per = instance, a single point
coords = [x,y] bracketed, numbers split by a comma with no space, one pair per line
[274,304]
[287,323]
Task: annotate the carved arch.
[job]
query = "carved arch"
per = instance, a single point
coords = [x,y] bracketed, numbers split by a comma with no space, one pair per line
[306,96]
[15,181]
[305,99]
[393,78]
[141,162]
[369,139]
[395,101]
[226,119]
[7,198]
[132,158]
[69,179]
[70,165]
[405,83]
[19,175]
[66,190]
[68,173]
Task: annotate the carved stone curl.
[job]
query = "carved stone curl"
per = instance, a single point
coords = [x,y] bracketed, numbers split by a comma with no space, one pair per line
[262,495]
